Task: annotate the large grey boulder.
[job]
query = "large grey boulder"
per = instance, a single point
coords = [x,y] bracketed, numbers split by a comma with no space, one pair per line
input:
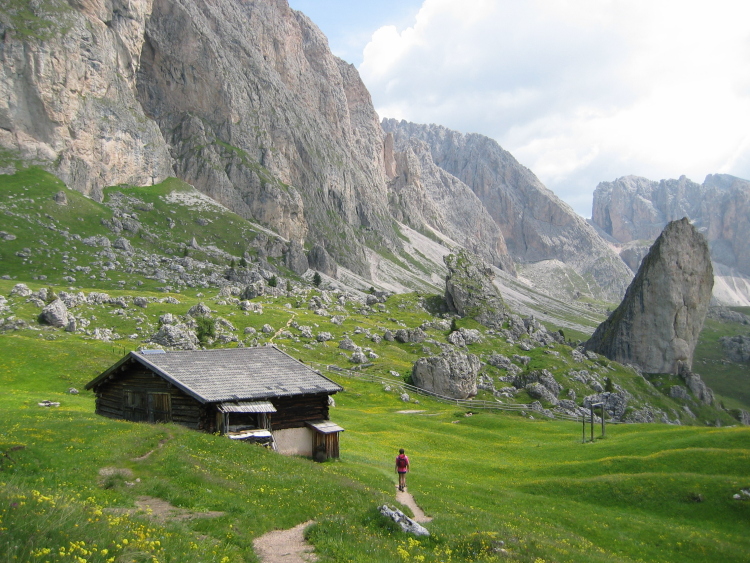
[737,348]
[451,374]
[656,326]
[469,290]
[176,336]
[55,314]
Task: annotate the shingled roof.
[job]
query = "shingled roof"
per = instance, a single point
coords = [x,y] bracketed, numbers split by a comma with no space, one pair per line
[231,374]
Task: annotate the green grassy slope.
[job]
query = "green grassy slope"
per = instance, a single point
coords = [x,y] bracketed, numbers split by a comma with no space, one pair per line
[484,478]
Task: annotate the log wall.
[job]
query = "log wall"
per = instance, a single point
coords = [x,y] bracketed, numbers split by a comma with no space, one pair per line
[111,401]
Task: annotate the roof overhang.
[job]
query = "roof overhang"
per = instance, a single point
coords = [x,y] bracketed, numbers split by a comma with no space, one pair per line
[246,406]
[324,426]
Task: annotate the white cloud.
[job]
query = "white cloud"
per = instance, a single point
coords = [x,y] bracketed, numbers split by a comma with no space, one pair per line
[580,91]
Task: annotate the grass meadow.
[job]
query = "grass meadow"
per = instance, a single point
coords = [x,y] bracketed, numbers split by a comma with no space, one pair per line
[491,481]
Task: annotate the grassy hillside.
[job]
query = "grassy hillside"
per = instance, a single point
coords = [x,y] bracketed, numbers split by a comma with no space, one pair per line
[71,481]
[644,493]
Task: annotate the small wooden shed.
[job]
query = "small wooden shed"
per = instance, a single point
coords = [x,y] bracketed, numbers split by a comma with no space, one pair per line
[255,394]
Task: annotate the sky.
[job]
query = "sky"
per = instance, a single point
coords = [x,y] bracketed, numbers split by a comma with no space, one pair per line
[579,91]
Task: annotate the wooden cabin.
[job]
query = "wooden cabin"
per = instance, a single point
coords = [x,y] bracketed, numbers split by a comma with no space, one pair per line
[253,394]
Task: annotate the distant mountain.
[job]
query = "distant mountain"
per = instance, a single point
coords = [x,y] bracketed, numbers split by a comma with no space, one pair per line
[246,102]
[537,226]
[633,211]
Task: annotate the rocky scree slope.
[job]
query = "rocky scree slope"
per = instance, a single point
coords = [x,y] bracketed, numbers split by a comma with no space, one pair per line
[633,211]
[536,225]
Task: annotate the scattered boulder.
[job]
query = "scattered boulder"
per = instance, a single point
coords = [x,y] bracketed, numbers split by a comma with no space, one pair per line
[407,524]
[123,244]
[199,310]
[97,240]
[358,357]
[614,403]
[539,391]
[176,336]
[60,198]
[253,290]
[412,335]
[469,290]
[348,344]
[656,326]
[55,314]
[21,289]
[451,374]
[140,302]
[737,348]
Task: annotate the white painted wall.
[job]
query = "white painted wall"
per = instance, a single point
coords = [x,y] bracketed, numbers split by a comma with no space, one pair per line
[294,441]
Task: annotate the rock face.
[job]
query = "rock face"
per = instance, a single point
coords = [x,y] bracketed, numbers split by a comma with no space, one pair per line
[633,209]
[451,374]
[536,225]
[261,116]
[243,100]
[61,71]
[656,326]
[469,290]
[424,195]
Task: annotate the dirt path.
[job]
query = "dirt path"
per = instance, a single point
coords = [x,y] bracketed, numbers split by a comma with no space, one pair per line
[159,445]
[407,500]
[285,546]
[289,322]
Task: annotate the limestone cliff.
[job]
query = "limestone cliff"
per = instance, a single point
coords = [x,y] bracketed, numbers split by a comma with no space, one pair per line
[536,224]
[68,96]
[656,326]
[263,118]
[424,194]
[633,209]
[244,100]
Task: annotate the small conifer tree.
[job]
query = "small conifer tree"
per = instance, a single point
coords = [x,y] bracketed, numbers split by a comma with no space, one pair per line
[273,282]
[317,279]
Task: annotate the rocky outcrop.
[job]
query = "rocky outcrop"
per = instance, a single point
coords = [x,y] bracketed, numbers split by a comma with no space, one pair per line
[318,259]
[632,209]
[737,348]
[68,97]
[55,314]
[536,225]
[262,117]
[450,374]
[469,290]
[656,326]
[424,195]
[694,382]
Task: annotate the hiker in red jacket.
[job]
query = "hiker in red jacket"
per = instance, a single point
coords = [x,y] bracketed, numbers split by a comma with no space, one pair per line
[402,468]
